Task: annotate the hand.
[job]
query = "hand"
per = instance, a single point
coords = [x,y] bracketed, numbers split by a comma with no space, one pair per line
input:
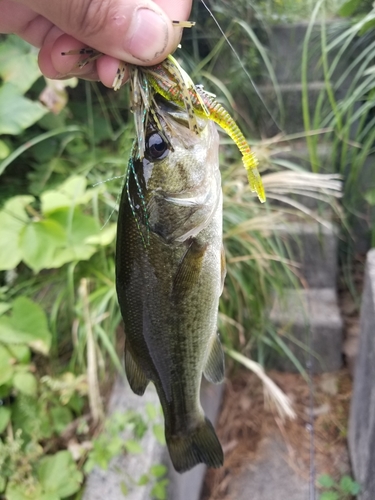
[134,31]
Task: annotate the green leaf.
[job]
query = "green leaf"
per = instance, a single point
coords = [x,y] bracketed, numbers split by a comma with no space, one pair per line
[3,483]
[6,363]
[69,194]
[158,431]
[77,225]
[4,150]
[61,417]
[104,237]
[326,481]
[124,488]
[18,63]
[27,325]
[26,383]
[152,411]
[159,491]
[349,7]
[20,352]
[370,197]
[17,112]
[144,479]
[133,446]
[158,470]
[4,419]
[59,474]
[329,495]
[4,307]
[13,218]
[39,242]
[348,485]
[20,492]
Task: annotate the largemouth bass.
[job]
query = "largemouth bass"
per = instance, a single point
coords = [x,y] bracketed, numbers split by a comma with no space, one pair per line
[170,270]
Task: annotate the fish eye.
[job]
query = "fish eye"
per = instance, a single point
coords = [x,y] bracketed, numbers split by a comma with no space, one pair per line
[156,147]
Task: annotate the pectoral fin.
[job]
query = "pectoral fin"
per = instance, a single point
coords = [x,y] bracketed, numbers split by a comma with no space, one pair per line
[214,369]
[134,373]
[189,269]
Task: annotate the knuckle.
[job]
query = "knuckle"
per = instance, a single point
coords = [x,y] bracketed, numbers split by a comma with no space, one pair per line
[92,16]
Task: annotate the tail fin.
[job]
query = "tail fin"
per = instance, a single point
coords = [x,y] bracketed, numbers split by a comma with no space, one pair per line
[199,446]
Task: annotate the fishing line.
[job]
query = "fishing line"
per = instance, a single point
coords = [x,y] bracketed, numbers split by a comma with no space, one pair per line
[242,66]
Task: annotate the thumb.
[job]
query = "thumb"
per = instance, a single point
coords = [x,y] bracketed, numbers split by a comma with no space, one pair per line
[136,31]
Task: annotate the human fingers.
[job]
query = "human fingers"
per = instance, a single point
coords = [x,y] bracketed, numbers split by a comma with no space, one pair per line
[136,31]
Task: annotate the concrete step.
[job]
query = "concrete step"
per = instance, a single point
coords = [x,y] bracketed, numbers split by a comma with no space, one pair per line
[309,320]
[270,476]
[314,248]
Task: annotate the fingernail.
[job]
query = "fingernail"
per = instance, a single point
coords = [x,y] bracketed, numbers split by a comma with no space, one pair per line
[148,35]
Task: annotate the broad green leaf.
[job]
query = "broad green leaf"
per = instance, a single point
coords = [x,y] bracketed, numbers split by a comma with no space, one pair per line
[159,491]
[326,481]
[158,470]
[124,488]
[18,63]
[152,411]
[133,446]
[71,193]
[370,197]
[39,242]
[52,200]
[29,414]
[20,492]
[329,495]
[6,364]
[3,483]
[26,383]
[78,226]
[73,254]
[4,419]
[13,218]
[104,237]
[158,431]
[4,307]
[144,479]
[4,150]
[349,7]
[27,324]
[61,417]
[17,112]
[348,485]
[20,351]
[59,474]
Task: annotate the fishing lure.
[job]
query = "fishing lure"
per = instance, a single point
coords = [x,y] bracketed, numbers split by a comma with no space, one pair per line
[171,81]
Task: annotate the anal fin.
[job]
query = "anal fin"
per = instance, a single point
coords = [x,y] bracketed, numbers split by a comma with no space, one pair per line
[134,373]
[214,369]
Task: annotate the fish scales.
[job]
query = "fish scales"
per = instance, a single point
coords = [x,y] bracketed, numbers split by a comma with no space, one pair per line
[169,277]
